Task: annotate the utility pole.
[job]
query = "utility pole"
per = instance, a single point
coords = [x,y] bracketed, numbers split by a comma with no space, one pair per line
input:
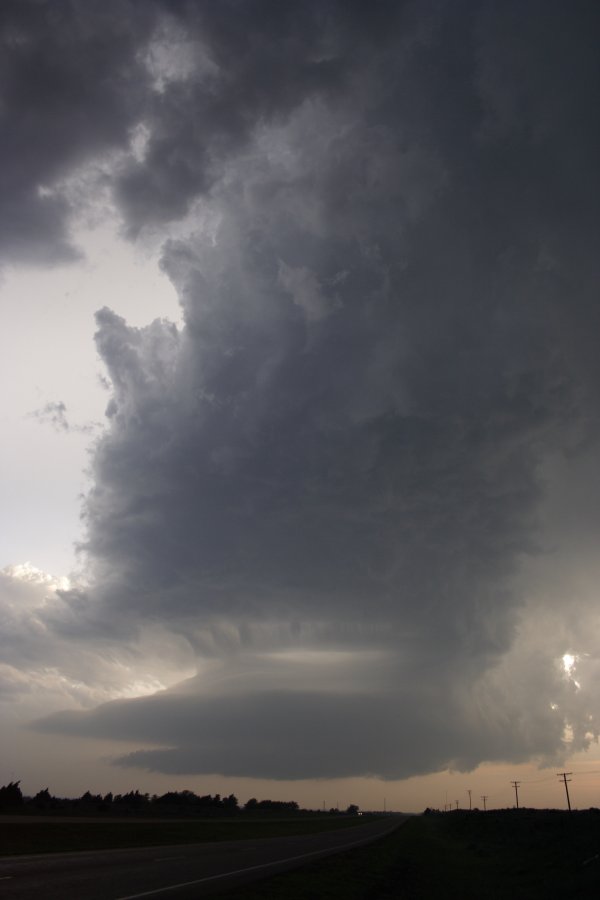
[516,785]
[563,775]
[484,798]
[469,793]
[457,804]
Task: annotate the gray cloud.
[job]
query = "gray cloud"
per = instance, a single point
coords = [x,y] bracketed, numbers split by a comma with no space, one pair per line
[386,273]
[72,86]
[82,84]
[304,717]
[54,413]
[247,62]
[274,734]
[43,668]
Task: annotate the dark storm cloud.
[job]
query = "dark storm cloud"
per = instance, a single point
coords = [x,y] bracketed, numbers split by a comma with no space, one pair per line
[386,278]
[72,85]
[249,61]
[274,734]
[79,81]
[274,723]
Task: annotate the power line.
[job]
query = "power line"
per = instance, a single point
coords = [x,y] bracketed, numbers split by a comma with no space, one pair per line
[537,780]
[484,798]
[516,784]
[563,775]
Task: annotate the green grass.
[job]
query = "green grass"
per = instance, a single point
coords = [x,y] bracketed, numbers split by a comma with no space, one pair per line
[26,836]
[515,854]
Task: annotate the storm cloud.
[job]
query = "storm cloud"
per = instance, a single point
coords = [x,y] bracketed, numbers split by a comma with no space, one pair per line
[71,90]
[336,480]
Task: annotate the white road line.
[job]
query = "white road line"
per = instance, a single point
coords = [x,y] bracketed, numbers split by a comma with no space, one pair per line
[5,877]
[276,862]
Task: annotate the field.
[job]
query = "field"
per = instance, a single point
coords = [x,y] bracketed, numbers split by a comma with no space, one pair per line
[494,855]
[27,834]
[516,854]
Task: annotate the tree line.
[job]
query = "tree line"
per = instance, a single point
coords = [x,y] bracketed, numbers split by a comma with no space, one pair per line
[181,803]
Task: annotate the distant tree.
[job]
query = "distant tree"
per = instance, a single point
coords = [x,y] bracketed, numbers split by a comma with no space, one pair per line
[281,805]
[230,803]
[352,810]
[190,802]
[10,795]
[252,804]
[43,799]
[181,798]
[131,800]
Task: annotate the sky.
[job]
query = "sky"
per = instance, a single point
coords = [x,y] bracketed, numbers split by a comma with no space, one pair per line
[299,318]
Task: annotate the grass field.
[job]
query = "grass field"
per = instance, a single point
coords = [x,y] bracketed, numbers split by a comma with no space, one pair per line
[24,835]
[514,854]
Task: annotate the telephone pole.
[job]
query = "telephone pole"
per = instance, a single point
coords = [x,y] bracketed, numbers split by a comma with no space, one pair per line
[469,793]
[563,775]
[484,798]
[516,785]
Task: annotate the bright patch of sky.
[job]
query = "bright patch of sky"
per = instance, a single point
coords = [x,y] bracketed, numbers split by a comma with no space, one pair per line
[568,662]
[48,357]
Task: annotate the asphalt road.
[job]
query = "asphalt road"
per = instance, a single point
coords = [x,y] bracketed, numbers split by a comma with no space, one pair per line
[178,872]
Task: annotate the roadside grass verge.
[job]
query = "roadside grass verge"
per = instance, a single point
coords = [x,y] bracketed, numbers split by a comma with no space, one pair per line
[516,854]
[24,837]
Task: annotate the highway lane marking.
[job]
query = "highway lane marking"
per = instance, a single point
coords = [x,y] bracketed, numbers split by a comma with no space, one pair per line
[167,858]
[5,877]
[276,862]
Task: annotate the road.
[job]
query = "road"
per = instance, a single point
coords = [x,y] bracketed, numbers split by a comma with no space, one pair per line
[178,872]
